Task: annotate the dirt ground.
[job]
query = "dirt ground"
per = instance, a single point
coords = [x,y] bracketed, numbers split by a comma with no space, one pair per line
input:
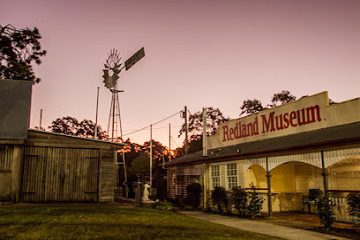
[311,222]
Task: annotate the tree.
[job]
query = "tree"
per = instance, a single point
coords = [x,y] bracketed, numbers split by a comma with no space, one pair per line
[140,165]
[214,117]
[255,202]
[65,125]
[280,98]
[325,212]
[71,126]
[240,198]
[87,130]
[158,149]
[19,49]
[251,106]
[195,127]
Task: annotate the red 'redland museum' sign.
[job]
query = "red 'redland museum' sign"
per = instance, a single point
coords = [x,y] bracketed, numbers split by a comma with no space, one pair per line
[306,114]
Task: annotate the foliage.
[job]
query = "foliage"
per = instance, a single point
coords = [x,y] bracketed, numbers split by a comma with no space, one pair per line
[255,203]
[158,149]
[19,49]
[194,191]
[71,126]
[251,106]
[353,202]
[65,125]
[214,117]
[140,165]
[239,199]
[218,198]
[325,212]
[280,98]
[163,205]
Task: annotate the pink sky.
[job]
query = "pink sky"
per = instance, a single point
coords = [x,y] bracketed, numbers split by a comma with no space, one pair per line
[198,53]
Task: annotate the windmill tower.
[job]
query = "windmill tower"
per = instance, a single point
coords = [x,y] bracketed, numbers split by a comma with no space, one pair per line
[111,76]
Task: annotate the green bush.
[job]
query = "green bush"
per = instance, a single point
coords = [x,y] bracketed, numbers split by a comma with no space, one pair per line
[325,212]
[255,203]
[218,198]
[163,205]
[194,194]
[239,199]
[353,202]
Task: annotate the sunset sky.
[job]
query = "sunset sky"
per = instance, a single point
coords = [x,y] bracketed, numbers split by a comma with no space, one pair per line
[198,53]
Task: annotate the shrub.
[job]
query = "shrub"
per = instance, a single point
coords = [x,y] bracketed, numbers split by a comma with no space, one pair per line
[255,203]
[163,205]
[218,198]
[239,198]
[326,213]
[194,194]
[353,202]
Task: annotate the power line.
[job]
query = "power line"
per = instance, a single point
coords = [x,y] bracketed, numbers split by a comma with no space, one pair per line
[136,131]
[141,129]
[167,118]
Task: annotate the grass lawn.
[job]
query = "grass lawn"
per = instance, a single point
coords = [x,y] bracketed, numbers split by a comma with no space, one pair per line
[108,221]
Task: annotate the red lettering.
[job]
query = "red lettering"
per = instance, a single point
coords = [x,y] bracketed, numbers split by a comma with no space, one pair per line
[279,122]
[286,120]
[231,133]
[225,133]
[293,117]
[268,125]
[313,114]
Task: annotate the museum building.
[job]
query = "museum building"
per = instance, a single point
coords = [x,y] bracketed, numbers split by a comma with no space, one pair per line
[288,153]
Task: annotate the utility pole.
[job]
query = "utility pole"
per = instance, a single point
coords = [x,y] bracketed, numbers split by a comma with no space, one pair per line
[204,139]
[151,157]
[41,112]
[169,141]
[186,130]
[96,115]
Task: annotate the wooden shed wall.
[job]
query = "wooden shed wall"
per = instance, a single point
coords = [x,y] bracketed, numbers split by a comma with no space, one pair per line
[60,174]
[10,172]
[51,167]
[6,154]
[107,175]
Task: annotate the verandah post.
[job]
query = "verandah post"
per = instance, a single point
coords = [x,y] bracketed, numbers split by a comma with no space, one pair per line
[268,178]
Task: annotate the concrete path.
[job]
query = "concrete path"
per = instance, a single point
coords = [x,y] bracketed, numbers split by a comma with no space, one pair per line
[261,227]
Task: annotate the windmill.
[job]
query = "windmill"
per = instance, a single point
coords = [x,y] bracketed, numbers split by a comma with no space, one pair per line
[111,76]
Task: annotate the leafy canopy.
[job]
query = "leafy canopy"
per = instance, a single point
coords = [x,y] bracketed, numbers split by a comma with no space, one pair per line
[71,126]
[19,49]
[195,127]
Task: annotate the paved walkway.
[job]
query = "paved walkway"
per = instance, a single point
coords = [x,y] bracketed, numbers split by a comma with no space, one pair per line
[261,227]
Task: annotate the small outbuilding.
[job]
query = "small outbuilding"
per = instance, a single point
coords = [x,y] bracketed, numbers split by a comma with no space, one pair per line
[51,167]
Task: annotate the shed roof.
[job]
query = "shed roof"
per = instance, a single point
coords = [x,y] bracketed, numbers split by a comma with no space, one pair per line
[43,138]
[349,133]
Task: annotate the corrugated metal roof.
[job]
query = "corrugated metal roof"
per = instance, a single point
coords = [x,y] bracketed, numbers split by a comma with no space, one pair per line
[15,99]
[34,134]
[321,137]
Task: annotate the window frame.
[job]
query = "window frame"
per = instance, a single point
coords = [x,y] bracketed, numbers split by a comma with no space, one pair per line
[212,176]
[231,176]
